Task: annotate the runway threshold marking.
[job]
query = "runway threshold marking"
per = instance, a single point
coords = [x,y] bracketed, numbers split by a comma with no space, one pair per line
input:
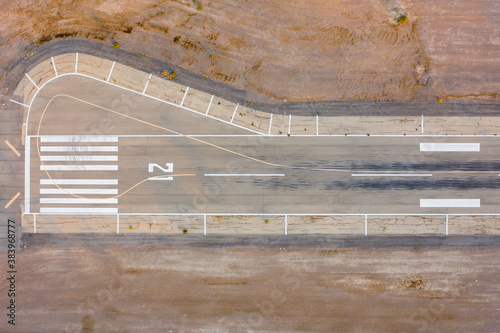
[450,147]
[12,200]
[78,138]
[79,181]
[450,203]
[12,148]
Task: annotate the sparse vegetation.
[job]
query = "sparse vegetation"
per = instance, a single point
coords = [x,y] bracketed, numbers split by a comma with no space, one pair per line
[402,19]
[172,75]
[116,45]
[185,231]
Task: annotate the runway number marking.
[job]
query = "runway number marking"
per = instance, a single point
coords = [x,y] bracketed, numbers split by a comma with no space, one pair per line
[169,167]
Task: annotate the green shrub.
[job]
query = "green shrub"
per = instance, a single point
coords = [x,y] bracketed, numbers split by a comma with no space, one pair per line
[402,19]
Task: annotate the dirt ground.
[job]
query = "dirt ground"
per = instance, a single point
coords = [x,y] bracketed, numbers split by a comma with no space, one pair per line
[296,50]
[135,286]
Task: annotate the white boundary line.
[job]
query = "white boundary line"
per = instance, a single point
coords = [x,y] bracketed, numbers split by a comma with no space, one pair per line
[270,124]
[185,94]
[27,175]
[109,75]
[244,175]
[289,124]
[146,87]
[76,63]
[54,65]
[234,113]
[391,175]
[13,101]
[37,87]
[277,214]
[210,104]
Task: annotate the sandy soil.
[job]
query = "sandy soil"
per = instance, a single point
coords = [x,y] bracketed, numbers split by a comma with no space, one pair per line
[139,287]
[294,50]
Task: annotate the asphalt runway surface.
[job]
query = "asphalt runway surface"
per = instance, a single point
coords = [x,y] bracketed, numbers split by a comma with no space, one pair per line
[93,132]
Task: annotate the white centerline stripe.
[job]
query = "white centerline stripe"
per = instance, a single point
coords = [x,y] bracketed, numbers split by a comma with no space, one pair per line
[161,178]
[79,148]
[79,181]
[391,175]
[79,210]
[79,191]
[431,146]
[78,138]
[79,167]
[77,201]
[245,175]
[450,203]
[78,158]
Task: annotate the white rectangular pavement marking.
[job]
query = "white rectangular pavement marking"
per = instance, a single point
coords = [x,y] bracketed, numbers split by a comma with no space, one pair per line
[13,101]
[79,167]
[474,203]
[146,87]
[79,181]
[245,175]
[210,104]
[270,124]
[54,65]
[185,94]
[37,87]
[431,146]
[79,191]
[234,113]
[77,201]
[78,138]
[78,158]
[79,148]
[79,210]
[111,71]
[391,175]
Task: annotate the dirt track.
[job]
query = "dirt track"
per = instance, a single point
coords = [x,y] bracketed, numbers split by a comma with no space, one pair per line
[139,285]
[301,50]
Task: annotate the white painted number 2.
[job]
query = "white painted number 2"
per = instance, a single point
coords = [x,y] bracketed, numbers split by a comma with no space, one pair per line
[169,167]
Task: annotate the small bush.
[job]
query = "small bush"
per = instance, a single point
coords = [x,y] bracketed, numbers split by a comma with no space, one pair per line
[185,231]
[402,19]
[116,45]
[173,74]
